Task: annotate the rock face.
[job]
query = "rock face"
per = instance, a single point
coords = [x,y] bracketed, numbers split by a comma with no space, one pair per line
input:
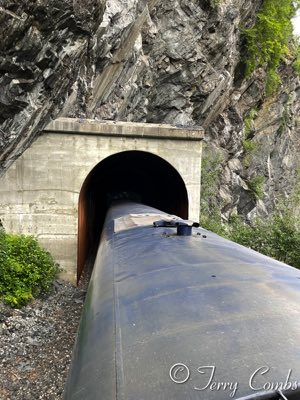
[44,55]
[160,61]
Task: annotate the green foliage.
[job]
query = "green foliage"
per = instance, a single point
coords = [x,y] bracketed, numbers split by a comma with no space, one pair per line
[277,237]
[215,3]
[267,42]
[27,271]
[213,223]
[296,64]
[273,81]
[247,160]
[249,122]
[256,186]
[248,145]
[3,251]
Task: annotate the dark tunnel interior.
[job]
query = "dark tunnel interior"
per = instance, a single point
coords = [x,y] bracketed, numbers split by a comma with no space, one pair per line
[140,176]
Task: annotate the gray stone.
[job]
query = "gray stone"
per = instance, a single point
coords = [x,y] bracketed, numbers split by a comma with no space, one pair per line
[160,61]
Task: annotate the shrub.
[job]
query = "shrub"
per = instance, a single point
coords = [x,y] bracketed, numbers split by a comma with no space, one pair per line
[256,186]
[285,238]
[267,42]
[248,145]
[277,237]
[212,222]
[27,270]
[249,122]
[215,3]
[296,63]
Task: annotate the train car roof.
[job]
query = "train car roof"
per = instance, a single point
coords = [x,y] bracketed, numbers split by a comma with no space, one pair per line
[175,317]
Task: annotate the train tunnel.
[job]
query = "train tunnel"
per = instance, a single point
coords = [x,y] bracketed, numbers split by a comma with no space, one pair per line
[136,175]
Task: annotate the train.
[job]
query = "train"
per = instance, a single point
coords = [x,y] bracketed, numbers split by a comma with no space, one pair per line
[176,312]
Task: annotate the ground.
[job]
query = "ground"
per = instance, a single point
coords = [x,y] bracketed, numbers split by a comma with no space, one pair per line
[36,344]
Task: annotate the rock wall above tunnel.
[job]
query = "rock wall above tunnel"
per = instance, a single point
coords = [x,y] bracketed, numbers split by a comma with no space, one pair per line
[160,61]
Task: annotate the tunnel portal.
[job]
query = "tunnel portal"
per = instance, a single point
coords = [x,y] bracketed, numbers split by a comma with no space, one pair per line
[60,187]
[136,175]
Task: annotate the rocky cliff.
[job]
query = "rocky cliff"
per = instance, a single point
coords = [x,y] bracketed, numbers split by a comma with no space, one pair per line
[166,61]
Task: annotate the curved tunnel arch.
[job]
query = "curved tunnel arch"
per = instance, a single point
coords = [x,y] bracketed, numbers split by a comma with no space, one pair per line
[144,176]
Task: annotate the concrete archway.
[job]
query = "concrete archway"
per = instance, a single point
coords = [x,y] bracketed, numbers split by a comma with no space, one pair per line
[138,174]
[40,191]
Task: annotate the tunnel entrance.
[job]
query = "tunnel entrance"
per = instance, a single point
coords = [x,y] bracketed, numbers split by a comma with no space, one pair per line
[140,175]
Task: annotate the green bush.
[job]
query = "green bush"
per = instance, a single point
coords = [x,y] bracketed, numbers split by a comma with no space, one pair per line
[212,222]
[215,3]
[249,122]
[277,237]
[248,145]
[267,42]
[27,270]
[296,63]
[256,186]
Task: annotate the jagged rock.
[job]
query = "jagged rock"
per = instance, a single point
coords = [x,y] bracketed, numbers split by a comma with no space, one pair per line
[162,61]
[36,345]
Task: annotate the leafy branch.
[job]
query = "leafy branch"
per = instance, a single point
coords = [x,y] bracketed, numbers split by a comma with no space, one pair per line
[267,42]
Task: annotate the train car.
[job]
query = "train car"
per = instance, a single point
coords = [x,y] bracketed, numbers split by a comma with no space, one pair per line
[174,314]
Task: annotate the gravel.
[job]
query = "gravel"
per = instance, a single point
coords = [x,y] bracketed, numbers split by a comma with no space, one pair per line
[36,344]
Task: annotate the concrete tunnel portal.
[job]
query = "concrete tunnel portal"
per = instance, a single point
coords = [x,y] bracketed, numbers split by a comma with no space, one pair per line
[137,175]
